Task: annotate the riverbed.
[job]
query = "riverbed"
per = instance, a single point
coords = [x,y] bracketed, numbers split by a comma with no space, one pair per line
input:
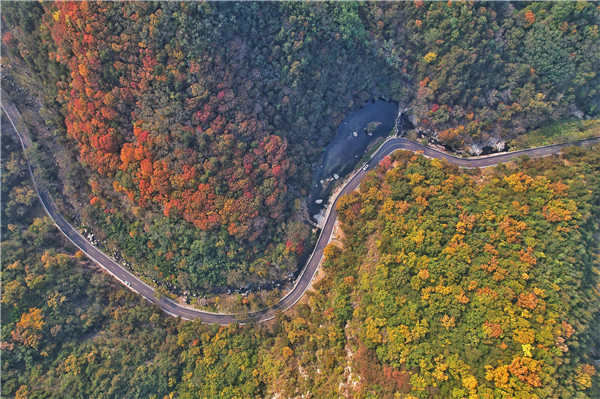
[360,128]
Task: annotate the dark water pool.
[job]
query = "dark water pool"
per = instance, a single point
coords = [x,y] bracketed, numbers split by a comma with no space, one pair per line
[375,119]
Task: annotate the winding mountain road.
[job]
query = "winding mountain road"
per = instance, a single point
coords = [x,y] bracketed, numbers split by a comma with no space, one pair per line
[302,283]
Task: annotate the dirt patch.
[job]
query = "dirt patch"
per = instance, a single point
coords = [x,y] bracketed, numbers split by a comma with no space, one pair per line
[337,236]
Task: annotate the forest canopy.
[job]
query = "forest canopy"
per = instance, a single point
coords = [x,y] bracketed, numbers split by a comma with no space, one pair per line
[190,131]
[481,283]
[410,304]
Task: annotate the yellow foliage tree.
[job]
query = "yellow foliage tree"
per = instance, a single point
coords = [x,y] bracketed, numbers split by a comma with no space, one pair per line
[28,329]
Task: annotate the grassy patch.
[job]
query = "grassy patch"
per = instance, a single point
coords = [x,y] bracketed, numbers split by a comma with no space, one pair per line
[558,132]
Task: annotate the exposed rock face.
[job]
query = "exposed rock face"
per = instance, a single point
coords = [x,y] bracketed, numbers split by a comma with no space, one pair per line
[413,119]
[476,149]
[573,111]
[496,144]
[399,128]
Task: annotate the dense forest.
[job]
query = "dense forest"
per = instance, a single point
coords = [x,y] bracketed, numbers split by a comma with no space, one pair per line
[186,134]
[488,71]
[478,283]
[205,131]
[443,283]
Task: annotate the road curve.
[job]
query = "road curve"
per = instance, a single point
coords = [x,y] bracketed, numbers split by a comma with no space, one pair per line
[306,276]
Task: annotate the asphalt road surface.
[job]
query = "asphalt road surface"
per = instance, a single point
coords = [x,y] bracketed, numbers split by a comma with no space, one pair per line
[307,274]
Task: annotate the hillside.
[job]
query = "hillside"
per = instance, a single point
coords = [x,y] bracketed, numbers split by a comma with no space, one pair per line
[477,283]
[410,303]
[187,134]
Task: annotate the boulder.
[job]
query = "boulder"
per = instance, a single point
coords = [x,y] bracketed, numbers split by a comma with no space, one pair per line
[497,144]
[476,149]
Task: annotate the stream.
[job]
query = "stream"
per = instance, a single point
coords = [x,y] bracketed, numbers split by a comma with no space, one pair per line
[360,128]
